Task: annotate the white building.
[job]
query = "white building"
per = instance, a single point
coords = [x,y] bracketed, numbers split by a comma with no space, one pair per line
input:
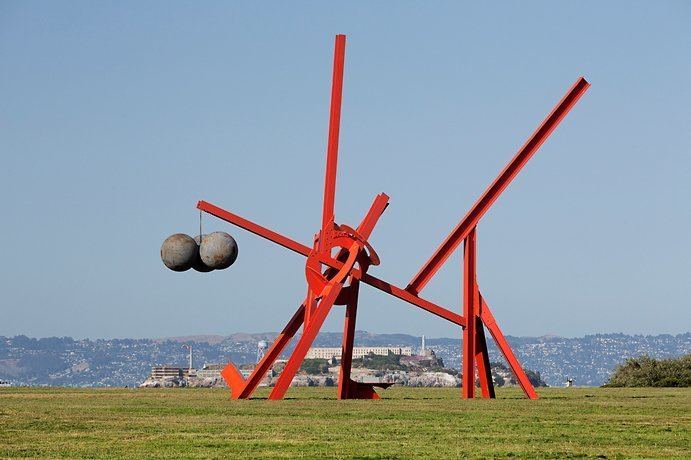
[165,371]
[358,352]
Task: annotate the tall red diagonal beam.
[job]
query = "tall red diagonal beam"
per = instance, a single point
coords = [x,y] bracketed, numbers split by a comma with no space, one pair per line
[304,343]
[333,263]
[334,128]
[502,181]
[271,355]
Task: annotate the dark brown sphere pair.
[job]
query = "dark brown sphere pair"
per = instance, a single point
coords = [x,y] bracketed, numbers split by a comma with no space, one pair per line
[215,251]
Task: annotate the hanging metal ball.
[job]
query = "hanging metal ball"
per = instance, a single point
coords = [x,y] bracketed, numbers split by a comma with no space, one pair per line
[218,250]
[179,252]
[198,264]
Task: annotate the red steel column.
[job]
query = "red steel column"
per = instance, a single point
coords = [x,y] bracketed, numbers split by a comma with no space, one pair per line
[348,341]
[334,127]
[469,300]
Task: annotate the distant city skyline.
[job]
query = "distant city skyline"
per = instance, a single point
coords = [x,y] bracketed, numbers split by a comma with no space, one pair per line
[119,117]
[61,361]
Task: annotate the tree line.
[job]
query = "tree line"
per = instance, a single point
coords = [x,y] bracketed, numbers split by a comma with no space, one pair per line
[645,371]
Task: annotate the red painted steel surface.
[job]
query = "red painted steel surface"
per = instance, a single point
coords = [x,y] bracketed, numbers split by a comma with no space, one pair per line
[335,280]
[469,312]
[334,127]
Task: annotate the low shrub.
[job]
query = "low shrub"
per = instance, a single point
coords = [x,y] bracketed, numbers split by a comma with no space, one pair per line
[645,371]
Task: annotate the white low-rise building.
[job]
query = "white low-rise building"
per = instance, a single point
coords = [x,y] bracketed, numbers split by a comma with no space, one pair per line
[358,352]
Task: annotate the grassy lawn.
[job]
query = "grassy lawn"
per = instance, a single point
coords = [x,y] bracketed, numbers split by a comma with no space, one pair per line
[406,423]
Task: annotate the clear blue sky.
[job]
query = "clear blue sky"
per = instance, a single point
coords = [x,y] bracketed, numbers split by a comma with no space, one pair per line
[116,117]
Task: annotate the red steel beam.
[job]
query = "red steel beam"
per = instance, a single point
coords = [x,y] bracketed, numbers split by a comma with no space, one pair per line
[272,354]
[470,300]
[502,181]
[366,226]
[413,299]
[348,341]
[333,263]
[381,202]
[334,127]
[254,228]
[503,345]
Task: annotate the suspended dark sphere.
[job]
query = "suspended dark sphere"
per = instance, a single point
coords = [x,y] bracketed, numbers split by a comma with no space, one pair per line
[179,252]
[218,250]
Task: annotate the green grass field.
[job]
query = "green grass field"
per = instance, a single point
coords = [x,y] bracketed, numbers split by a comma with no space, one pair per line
[406,423]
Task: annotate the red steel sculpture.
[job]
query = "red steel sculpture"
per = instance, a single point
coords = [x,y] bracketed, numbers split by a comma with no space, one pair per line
[340,257]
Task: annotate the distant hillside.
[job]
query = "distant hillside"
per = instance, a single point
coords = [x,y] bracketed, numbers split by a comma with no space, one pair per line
[211,339]
[588,360]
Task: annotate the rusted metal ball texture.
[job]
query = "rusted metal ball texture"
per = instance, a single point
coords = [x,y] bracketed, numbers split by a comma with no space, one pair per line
[198,264]
[179,252]
[218,250]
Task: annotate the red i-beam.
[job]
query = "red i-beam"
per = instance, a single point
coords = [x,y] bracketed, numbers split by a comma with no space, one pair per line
[340,256]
